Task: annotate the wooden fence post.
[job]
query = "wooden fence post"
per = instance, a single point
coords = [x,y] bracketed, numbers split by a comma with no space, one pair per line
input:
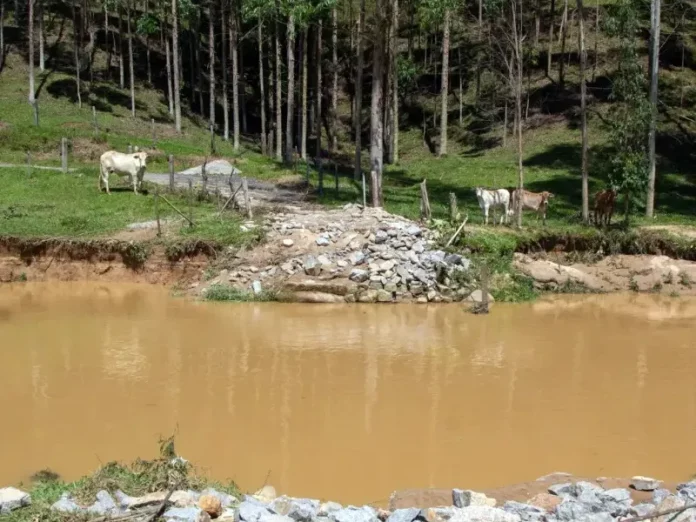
[130,149]
[64,154]
[212,139]
[453,207]
[154,137]
[425,202]
[247,199]
[321,175]
[204,177]
[28,164]
[35,108]
[374,189]
[364,191]
[157,212]
[190,202]
[336,176]
[171,173]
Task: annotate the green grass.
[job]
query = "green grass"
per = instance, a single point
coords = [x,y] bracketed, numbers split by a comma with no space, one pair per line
[135,479]
[53,204]
[552,157]
[227,293]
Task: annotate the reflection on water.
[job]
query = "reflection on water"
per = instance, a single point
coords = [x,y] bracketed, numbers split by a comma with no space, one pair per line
[346,402]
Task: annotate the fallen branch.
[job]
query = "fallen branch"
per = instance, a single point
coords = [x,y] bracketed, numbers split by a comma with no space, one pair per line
[163,505]
[231,198]
[127,516]
[177,210]
[660,513]
[454,236]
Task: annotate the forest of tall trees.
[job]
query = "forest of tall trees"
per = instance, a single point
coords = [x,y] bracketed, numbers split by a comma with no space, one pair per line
[317,78]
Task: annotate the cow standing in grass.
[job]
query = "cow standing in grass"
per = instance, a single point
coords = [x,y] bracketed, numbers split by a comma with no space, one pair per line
[604,203]
[539,202]
[491,199]
[131,165]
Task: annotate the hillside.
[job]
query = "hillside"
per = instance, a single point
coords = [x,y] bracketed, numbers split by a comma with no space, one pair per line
[476,154]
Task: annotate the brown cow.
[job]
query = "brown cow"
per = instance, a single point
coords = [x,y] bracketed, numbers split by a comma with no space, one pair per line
[538,202]
[604,203]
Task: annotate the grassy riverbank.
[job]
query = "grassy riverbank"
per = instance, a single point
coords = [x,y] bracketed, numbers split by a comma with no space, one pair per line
[52,204]
[135,479]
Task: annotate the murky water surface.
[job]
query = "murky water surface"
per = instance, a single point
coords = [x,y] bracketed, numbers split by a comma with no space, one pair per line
[346,402]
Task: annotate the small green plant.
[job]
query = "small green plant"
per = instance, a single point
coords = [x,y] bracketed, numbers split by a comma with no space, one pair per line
[657,288]
[135,255]
[633,285]
[45,475]
[684,279]
[21,278]
[222,292]
[669,278]
[674,293]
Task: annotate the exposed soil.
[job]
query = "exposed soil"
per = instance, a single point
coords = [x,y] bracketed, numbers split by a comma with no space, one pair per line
[643,273]
[110,261]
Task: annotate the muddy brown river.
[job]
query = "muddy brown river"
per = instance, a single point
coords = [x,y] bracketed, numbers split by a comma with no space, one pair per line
[346,402]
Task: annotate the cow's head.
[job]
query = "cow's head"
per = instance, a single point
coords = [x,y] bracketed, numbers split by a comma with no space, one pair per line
[478,191]
[141,159]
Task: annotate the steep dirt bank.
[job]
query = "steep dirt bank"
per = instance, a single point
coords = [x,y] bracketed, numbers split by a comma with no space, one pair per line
[102,260]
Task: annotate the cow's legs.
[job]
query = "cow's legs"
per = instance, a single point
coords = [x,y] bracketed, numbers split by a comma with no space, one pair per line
[106,180]
[485,215]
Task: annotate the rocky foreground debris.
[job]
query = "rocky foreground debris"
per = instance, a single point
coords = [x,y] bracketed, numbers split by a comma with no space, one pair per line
[565,501]
[353,254]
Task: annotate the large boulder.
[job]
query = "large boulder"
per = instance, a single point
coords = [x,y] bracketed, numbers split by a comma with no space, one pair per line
[13,498]
[298,509]
[104,505]
[65,504]
[354,514]
[645,483]
[464,498]
[483,514]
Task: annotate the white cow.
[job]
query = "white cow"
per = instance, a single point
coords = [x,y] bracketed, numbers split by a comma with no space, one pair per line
[132,165]
[491,199]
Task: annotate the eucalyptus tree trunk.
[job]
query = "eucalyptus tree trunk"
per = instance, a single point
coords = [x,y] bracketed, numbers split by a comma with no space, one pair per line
[175,55]
[234,48]
[42,38]
[211,60]
[76,52]
[334,81]
[317,100]
[262,90]
[376,121]
[30,34]
[654,71]
[131,73]
[583,113]
[444,94]
[549,50]
[395,85]
[170,89]
[290,105]
[303,124]
[121,68]
[225,101]
[357,119]
[278,93]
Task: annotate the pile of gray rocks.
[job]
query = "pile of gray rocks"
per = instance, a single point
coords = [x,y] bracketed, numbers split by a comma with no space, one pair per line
[388,258]
[565,502]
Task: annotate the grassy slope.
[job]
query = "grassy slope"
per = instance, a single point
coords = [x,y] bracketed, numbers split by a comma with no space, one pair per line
[552,159]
